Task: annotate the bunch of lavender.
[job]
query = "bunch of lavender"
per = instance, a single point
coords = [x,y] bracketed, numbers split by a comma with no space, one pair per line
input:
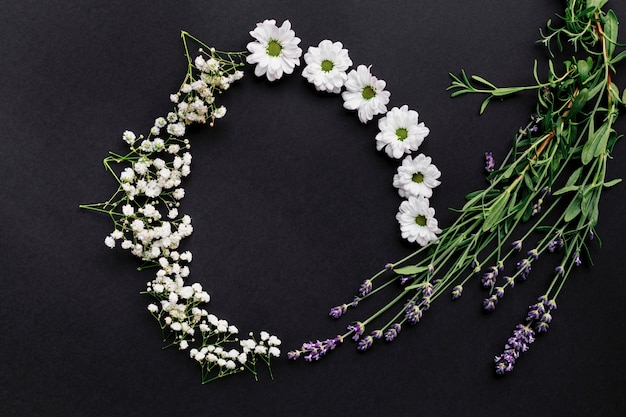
[147,222]
[543,198]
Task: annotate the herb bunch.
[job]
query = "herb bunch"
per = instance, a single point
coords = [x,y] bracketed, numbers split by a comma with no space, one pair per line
[543,198]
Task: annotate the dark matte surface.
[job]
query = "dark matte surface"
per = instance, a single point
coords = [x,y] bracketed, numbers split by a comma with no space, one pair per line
[293,207]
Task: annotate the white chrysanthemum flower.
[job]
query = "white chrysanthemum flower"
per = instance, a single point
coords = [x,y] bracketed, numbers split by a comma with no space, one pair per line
[417,221]
[326,66]
[416,177]
[365,93]
[400,132]
[275,51]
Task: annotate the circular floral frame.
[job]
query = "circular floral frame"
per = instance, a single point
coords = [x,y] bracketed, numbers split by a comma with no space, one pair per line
[145,207]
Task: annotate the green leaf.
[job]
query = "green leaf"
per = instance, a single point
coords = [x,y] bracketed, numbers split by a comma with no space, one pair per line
[610,32]
[617,58]
[573,209]
[596,3]
[494,214]
[579,102]
[612,182]
[566,189]
[410,270]
[596,143]
[484,104]
[483,81]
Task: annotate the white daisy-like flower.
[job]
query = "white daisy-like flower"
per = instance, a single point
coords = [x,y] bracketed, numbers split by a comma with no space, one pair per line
[417,221]
[416,177]
[400,132]
[365,93]
[275,51]
[326,66]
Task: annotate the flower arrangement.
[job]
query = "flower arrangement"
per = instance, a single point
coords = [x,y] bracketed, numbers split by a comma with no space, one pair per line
[550,183]
[542,199]
[145,207]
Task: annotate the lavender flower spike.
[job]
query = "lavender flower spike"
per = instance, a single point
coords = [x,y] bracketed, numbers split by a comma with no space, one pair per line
[365,288]
[392,332]
[358,328]
[523,336]
[490,163]
[338,311]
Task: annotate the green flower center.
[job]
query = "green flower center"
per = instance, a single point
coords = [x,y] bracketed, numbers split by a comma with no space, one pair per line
[368,93]
[418,177]
[327,65]
[420,220]
[274,48]
[402,133]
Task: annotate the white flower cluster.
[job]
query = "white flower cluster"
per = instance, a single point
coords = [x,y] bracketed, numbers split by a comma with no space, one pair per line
[147,222]
[275,52]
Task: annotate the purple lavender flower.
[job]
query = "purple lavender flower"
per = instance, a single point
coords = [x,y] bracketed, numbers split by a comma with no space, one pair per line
[313,351]
[577,260]
[510,281]
[522,337]
[490,163]
[489,304]
[559,270]
[552,304]
[388,266]
[489,279]
[338,311]
[556,244]
[377,334]
[457,291]
[365,288]
[500,292]
[427,290]
[533,253]
[392,332]
[365,343]
[358,328]
[406,278]
[355,302]
[525,267]
[413,313]
[517,245]
[541,327]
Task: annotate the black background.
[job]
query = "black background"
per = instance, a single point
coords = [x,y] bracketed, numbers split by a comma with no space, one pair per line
[292,207]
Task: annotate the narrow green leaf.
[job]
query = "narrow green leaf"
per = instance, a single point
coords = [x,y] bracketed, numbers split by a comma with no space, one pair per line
[617,58]
[483,81]
[495,213]
[410,270]
[612,182]
[573,209]
[484,104]
[567,189]
[611,26]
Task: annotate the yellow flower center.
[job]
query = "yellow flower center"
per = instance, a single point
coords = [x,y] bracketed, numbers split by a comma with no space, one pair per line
[420,220]
[418,177]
